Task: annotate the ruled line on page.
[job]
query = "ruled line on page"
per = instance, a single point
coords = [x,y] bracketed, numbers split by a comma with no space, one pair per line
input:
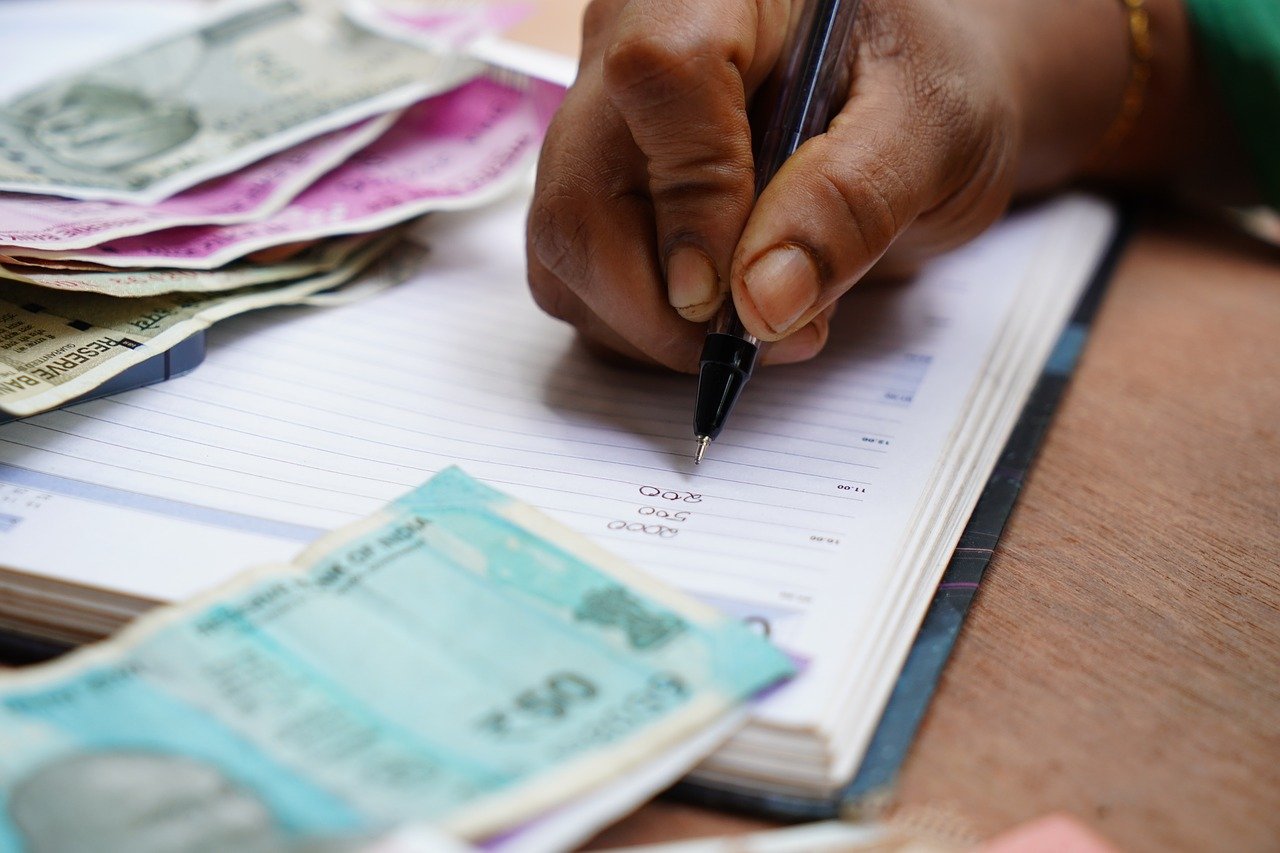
[287,392]
[757,560]
[724,442]
[314,347]
[473,424]
[400,483]
[646,467]
[681,428]
[754,521]
[316,340]
[90,459]
[772,505]
[166,471]
[711,569]
[462,375]
[474,315]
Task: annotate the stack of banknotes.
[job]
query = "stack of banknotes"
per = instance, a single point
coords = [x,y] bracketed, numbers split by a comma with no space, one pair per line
[270,154]
[457,661]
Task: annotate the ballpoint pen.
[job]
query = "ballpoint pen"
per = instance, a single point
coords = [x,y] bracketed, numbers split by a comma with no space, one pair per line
[795,106]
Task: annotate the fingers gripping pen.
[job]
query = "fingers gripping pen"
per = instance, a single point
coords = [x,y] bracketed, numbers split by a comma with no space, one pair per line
[796,105]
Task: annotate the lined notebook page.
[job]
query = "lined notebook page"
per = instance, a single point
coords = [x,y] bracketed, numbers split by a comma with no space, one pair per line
[304,419]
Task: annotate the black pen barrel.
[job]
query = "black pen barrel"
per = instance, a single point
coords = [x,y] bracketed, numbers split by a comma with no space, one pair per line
[726,365]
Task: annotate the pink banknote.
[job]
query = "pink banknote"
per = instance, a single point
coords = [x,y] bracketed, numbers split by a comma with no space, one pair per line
[258,190]
[452,151]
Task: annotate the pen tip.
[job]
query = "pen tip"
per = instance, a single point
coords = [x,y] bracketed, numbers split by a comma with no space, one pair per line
[703,442]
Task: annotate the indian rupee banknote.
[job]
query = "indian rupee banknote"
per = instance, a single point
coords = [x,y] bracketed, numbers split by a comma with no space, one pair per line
[56,345]
[203,103]
[457,659]
[325,256]
[456,150]
[258,190]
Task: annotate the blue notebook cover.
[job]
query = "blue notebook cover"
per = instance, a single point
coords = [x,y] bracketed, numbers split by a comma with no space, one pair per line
[182,358]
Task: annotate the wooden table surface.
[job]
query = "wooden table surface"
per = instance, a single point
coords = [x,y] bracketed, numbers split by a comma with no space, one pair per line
[1122,660]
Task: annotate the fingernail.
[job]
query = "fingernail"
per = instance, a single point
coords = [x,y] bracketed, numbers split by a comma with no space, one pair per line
[783,286]
[693,288]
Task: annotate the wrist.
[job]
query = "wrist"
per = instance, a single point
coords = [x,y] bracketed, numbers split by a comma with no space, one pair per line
[1162,134]
[1071,66]
[1068,65]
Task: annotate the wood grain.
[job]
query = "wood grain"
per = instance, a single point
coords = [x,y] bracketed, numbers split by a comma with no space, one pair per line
[1123,659]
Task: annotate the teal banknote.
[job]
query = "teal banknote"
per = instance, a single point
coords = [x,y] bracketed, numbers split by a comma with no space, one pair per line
[457,659]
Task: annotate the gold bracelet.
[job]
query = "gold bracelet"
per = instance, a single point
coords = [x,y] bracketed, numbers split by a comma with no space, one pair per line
[1135,90]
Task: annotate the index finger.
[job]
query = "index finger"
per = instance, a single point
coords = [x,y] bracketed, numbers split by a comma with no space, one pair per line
[680,74]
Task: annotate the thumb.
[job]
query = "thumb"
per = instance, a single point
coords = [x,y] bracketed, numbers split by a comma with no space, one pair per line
[892,158]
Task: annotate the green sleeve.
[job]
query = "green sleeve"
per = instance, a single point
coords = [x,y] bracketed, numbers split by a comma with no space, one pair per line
[1241,39]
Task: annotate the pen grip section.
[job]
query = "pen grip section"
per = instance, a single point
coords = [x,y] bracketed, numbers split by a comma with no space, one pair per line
[726,365]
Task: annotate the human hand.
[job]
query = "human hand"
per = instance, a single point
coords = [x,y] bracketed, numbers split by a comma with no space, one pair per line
[644,218]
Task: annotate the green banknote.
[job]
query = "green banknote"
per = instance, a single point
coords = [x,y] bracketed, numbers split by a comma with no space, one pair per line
[457,659]
[205,102]
[56,345]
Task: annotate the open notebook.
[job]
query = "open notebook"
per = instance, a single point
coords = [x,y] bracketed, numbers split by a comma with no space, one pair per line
[825,512]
